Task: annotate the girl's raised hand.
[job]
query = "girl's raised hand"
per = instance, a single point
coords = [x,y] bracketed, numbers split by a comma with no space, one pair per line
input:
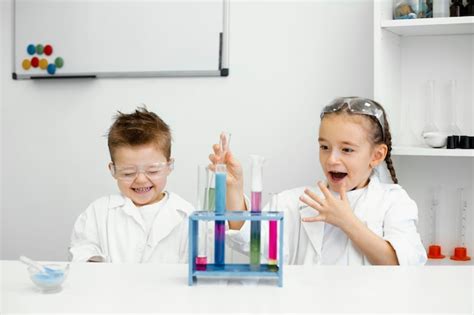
[333,210]
[224,156]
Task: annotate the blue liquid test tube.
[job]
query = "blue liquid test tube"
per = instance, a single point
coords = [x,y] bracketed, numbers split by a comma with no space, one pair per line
[219,232]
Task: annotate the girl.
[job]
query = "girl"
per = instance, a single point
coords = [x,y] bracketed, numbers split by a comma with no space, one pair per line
[353,218]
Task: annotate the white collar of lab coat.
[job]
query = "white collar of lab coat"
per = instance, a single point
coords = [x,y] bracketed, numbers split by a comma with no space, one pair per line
[315,230]
[171,215]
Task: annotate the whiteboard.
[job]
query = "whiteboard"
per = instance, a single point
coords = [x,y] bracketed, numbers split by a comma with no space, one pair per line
[120,38]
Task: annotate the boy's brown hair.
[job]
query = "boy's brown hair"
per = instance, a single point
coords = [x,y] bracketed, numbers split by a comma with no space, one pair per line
[139,128]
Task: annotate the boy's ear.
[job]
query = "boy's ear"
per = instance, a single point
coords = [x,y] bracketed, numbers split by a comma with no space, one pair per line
[111,167]
[378,155]
[171,161]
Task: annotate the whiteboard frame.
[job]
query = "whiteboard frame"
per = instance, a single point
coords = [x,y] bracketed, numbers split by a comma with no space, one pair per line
[222,71]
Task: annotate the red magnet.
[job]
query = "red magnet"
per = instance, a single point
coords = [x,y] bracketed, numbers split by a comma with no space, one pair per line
[34,62]
[460,253]
[434,252]
[48,50]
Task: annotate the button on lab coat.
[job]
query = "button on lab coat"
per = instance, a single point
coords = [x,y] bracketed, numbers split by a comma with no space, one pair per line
[112,229]
[386,209]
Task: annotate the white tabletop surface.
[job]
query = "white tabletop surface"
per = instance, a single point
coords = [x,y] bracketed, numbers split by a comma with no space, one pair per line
[98,287]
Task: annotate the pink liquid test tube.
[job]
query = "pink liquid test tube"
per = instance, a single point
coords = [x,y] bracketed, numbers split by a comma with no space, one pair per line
[273,232]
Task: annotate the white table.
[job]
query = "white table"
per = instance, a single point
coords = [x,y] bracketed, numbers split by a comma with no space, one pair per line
[163,288]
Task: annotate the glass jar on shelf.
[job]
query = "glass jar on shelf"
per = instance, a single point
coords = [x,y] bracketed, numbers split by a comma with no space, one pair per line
[412,9]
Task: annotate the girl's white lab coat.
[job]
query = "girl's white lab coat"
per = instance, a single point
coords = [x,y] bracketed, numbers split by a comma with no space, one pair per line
[112,228]
[386,209]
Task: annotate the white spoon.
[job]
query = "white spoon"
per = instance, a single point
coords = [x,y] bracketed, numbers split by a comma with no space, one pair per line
[33,264]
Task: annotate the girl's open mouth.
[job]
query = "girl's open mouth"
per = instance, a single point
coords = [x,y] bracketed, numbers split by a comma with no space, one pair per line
[337,176]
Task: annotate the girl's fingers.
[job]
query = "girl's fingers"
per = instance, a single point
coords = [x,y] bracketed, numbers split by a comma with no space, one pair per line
[314,196]
[318,218]
[342,192]
[213,158]
[325,190]
[310,202]
[217,149]
[212,167]
[223,140]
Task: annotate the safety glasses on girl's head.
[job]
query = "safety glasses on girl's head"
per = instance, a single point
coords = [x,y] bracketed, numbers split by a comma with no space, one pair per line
[356,105]
[153,171]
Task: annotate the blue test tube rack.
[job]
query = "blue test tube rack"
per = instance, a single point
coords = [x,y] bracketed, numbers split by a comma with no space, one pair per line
[233,270]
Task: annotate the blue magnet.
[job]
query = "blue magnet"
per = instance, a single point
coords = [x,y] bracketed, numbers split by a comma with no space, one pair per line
[51,68]
[31,49]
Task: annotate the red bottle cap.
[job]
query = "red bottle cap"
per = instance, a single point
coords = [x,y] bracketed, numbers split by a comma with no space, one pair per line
[434,252]
[460,253]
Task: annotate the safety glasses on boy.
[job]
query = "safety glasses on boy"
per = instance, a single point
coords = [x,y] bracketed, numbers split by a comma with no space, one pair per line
[153,171]
[356,105]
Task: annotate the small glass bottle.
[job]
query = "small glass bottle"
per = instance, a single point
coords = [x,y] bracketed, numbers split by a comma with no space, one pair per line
[456,8]
[441,8]
[469,8]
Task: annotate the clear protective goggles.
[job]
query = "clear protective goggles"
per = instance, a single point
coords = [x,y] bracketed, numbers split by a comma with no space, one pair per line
[153,171]
[356,105]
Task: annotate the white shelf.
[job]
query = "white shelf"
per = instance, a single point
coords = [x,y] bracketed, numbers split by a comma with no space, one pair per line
[425,151]
[431,26]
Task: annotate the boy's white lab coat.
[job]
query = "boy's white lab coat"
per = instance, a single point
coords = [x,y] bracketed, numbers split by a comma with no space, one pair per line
[386,209]
[112,228]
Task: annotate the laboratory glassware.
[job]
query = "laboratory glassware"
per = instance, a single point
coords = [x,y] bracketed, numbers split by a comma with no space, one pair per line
[256,207]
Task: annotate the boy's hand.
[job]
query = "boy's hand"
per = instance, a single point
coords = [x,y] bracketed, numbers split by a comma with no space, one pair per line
[333,210]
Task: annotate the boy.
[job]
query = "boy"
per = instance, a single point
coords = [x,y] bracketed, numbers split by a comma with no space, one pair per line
[145,223]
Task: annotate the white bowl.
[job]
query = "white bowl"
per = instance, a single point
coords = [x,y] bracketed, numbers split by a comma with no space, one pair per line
[51,280]
[435,139]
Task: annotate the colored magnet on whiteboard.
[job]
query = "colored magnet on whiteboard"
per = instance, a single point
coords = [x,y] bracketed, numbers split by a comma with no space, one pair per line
[59,62]
[43,64]
[34,62]
[26,64]
[51,68]
[31,49]
[48,50]
[39,49]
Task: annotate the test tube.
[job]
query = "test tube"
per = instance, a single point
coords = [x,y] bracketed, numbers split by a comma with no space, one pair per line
[460,252]
[273,233]
[434,249]
[219,232]
[256,207]
[203,204]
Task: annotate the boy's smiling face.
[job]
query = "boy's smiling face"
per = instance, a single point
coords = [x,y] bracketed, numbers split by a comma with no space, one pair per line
[345,152]
[141,190]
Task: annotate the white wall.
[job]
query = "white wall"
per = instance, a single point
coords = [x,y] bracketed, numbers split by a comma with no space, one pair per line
[287,60]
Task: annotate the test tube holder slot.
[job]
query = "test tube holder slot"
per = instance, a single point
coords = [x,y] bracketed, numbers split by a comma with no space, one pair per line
[234,270]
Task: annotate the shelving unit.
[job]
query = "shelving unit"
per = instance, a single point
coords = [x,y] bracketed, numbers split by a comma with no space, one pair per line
[426,151]
[408,53]
[428,27]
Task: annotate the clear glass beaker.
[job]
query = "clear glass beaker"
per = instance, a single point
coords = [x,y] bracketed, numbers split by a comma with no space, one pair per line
[453,97]
[430,109]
